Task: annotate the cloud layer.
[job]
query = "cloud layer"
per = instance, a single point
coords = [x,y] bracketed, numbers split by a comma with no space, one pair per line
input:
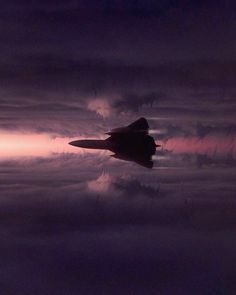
[75,222]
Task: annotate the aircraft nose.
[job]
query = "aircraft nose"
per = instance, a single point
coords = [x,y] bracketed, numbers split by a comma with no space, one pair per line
[73,142]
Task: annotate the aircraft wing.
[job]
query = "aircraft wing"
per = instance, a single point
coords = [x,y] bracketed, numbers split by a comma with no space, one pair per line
[142,160]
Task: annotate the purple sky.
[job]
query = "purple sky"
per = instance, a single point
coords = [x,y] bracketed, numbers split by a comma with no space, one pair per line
[81,222]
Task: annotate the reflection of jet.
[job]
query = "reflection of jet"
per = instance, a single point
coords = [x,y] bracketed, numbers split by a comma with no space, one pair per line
[129,143]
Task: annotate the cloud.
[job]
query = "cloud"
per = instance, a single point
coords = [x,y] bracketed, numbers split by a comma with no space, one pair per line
[61,90]
[133,188]
[133,102]
[101,184]
[64,191]
[210,145]
[100,106]
[133,224]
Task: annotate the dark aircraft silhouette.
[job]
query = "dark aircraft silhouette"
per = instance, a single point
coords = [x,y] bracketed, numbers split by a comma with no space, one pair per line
[129,143]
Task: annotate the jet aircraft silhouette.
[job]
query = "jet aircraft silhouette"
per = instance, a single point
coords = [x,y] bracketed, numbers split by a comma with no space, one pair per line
[129,143]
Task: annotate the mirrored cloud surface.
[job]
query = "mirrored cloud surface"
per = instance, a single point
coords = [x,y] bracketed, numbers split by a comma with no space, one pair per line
[100,224]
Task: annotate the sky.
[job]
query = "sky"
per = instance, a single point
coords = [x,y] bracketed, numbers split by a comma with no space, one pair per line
[79,221]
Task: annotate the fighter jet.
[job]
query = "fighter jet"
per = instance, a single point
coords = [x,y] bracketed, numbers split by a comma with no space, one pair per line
[129,143]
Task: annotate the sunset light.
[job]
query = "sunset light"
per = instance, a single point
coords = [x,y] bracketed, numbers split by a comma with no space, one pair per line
[14,145]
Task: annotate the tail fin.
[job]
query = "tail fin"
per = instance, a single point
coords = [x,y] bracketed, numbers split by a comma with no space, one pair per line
[140,124]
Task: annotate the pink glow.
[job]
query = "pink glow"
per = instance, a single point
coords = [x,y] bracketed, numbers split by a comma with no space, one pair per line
[100,106]
[14,145]
[212,144]
[101,184]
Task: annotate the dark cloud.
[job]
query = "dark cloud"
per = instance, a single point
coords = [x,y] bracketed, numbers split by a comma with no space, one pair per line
[134,102]
[133,188]
[44,188]
[60,232]
[52,84]
[200,129]
[99,74]
[203,130]
[132,32]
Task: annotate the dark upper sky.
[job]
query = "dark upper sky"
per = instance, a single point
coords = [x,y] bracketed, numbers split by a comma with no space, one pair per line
[138,32]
